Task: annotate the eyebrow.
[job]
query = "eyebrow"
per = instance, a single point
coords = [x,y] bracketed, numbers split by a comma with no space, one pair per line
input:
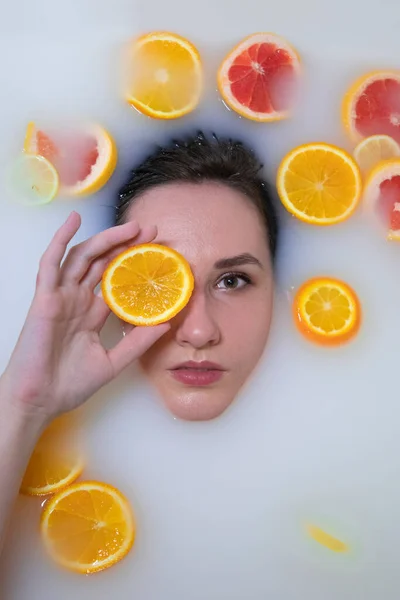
[236,261]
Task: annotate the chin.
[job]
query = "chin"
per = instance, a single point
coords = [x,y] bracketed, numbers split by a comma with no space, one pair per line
[197,405]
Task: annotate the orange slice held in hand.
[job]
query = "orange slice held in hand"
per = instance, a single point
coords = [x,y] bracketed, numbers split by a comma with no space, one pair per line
[164,75]
[55,462]
[147,284]
[259,77]
[382,196]
[85,159]
[88,527]
[319,184]
[327,311]
[372,105]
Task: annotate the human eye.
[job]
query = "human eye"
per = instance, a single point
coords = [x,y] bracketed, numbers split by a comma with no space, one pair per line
[233,281]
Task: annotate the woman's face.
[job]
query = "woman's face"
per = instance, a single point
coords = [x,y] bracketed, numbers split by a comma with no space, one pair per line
[216,341]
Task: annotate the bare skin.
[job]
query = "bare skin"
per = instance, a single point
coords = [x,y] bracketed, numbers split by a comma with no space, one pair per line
[59,361]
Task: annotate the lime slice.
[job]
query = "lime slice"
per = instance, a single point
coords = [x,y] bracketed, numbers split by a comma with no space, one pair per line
[35,180]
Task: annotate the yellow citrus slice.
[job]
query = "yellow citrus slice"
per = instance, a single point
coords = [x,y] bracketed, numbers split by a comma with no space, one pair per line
[382,195]
[147,284]
[259,77]
[327,540]
[55,462]
[372,150]
[319,184]
[372,105]
[164,78]
[85,159]
[88,527]
[327,311]
[35,180]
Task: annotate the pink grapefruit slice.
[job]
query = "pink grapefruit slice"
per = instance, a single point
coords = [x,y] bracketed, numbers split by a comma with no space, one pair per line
[382,196]
[85,159]
[259,77]
[372,106]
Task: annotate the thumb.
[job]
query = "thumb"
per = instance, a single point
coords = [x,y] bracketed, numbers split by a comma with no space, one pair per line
[134,344]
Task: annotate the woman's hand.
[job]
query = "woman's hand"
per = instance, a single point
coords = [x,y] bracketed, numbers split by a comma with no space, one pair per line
[59,361]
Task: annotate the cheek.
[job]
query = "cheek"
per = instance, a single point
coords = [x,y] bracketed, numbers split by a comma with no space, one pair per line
[246,322]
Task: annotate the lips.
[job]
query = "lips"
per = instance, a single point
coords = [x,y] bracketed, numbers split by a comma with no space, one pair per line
[197,374]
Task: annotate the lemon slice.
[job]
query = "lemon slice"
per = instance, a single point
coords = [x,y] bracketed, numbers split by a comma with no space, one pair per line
[372,150]
[35,180]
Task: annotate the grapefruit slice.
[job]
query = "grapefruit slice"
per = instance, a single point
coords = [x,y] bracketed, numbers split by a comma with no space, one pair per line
[259,77]
[84,159]
[372,106]
[382,196]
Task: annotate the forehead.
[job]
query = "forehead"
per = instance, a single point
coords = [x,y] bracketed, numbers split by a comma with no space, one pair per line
[210,220]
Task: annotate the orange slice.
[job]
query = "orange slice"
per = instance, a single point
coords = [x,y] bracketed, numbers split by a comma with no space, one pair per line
[88,527]
[147,284]
[85,159]
[372,150]
[372,105]
[164,75]
[259,77]
[327,311]
[319,184]
[325,539]
[55,462]
[382,196]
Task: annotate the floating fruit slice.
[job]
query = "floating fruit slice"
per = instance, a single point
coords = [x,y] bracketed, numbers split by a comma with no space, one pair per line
[372,105]
[319,184]
[327,311]
[84,159]
[55,462]
[327,540]
[35,181]
[382,196]
[164,78]
[259,77]
[88,527]
[372,150]
[147,284]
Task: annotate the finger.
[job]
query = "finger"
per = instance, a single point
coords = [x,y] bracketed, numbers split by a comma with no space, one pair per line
[99,313]
[81,256]
[49,266]
[95,272]
[134,344]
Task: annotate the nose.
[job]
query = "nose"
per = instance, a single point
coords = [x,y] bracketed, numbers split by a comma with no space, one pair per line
[196,324]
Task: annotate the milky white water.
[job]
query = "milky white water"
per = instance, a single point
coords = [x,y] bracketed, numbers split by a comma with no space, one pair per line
[221,506]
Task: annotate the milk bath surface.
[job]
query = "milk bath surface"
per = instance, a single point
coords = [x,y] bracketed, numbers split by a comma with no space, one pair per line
[222,507]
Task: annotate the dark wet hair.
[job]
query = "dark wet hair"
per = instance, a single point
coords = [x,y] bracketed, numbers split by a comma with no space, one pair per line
[200,158]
